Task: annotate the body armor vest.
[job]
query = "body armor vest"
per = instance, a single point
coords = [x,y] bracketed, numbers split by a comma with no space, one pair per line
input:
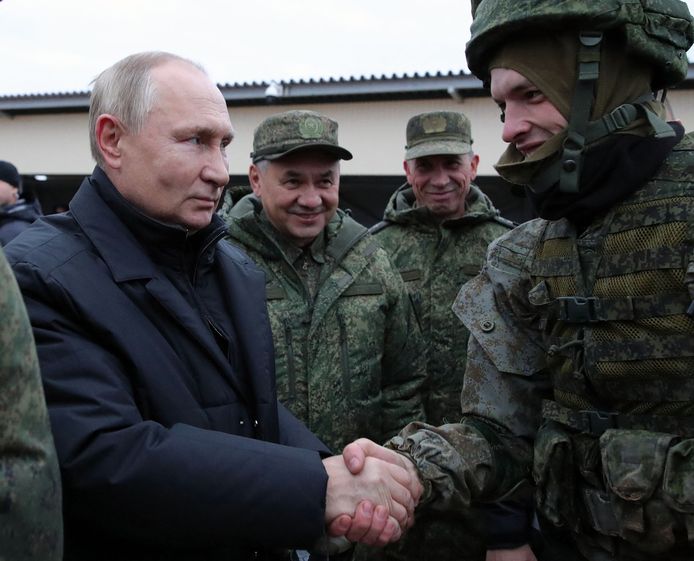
[615,305]
[616,309]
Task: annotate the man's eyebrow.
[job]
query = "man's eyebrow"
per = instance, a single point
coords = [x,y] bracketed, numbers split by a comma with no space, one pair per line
[204,132]
[516,90]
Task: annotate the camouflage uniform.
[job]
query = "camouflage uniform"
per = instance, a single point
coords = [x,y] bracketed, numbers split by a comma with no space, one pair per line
[437,249]
[581,368]
[347,353]
[30,500]
[435,259]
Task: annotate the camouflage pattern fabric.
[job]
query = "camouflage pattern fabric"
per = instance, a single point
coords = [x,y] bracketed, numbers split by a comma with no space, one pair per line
[621,489]
[435,258]
[284,133]
[659,31]
[349,361]
[30,499]
[436,133]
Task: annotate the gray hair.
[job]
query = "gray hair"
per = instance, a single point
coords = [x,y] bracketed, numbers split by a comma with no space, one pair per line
[262,165]
[126,91]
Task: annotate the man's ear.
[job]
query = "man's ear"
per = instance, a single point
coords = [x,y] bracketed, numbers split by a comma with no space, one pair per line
[254,178]
[406,167]
[474,162]
[109,132]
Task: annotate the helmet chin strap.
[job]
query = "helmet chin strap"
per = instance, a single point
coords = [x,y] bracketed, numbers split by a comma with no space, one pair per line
[575,142]
[580,131]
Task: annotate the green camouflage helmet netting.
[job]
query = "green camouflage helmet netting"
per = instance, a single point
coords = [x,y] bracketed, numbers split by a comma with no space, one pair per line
[660,31]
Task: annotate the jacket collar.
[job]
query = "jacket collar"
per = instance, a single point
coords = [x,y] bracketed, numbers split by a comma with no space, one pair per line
[129,241]
[402,209]
[248,227]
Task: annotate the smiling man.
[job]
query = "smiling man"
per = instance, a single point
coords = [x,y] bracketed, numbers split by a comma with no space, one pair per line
[580,376]
[436,229]
[156,352]
[347,350]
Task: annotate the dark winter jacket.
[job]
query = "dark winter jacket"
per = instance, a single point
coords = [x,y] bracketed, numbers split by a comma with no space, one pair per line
[16,218]
[156,355]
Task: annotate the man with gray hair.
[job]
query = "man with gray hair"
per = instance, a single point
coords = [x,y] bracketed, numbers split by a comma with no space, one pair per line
[436,229]
[156,352]
[347,350]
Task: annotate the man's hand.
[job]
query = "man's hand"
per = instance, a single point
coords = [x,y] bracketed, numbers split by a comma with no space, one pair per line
[355,455]
[372,526]
[382,492]
[522,553]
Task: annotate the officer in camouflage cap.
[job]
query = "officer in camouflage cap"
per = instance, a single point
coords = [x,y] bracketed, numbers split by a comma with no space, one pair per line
[348,351]
[31,525]
[580,370]
[436,229]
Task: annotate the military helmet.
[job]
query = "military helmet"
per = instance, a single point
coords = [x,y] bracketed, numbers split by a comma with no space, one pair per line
[661,31]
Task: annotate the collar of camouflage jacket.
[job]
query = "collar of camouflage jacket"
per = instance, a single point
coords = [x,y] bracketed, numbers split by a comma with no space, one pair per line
[246,226]
[402,209]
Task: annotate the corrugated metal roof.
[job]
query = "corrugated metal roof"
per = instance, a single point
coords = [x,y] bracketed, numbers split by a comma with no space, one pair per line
[292,91]
[321,90]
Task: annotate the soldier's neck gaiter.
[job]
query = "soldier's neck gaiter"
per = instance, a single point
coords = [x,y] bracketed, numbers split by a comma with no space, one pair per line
[612,171]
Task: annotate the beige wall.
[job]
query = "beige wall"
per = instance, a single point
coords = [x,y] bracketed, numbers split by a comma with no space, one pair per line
[373,131]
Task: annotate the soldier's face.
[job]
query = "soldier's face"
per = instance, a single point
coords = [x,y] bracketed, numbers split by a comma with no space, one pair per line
[299,192]
[8,193]
[530,119]
[442,182]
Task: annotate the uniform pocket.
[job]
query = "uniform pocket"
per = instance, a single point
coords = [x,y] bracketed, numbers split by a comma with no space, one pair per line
[554,475]
[678,479]
[633,463]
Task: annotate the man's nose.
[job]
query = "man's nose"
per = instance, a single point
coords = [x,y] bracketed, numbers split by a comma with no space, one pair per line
[216,169]
[310,197]
[514,125]
[439,177]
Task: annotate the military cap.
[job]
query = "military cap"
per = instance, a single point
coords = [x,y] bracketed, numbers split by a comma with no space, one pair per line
[437,132]
[284,133]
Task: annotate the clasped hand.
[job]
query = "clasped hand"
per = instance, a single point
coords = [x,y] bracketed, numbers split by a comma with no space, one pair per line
[372,493]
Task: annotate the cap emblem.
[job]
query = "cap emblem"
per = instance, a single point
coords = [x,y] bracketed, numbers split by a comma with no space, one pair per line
[434,123]
[311,127]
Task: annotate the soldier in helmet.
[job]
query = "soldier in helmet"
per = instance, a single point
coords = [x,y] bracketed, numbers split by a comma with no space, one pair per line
[580,376]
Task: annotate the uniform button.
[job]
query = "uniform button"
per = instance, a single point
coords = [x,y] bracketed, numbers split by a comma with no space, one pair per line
[487,325]
[569,165]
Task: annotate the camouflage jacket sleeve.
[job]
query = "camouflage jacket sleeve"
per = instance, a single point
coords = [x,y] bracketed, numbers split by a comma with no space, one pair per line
[403,368]
[488,454]
[30,515]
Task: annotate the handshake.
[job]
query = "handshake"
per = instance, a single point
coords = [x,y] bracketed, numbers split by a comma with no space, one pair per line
[372,493]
